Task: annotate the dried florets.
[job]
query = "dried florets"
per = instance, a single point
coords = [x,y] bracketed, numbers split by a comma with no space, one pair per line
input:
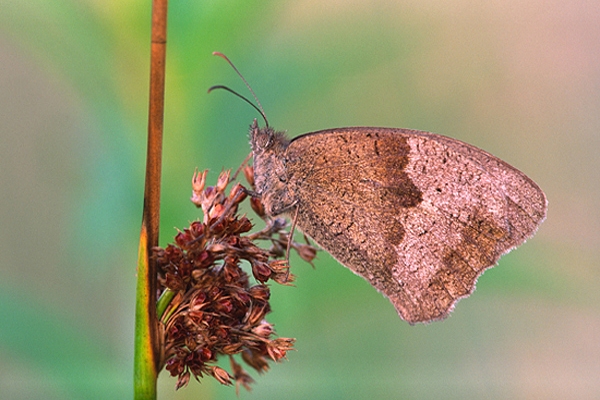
[217,309]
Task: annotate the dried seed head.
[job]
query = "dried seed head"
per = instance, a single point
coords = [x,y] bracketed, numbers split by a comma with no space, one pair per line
[223,181]
[240,376]
[258,207]
[306,252]
[221,375]
[218,311]
[249,174]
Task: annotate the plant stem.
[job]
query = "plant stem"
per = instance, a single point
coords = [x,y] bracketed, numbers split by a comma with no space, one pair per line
[147,352]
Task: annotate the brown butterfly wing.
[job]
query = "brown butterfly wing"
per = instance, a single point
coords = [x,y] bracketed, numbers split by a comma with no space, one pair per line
[418,215]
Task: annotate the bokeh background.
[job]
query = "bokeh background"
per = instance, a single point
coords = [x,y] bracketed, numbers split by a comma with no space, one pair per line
[520,79]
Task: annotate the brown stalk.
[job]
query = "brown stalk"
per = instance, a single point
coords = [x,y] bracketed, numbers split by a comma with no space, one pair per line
[151,213]
[147,352]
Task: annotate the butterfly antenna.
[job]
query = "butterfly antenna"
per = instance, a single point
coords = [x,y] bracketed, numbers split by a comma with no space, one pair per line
[259,108]
[210,89]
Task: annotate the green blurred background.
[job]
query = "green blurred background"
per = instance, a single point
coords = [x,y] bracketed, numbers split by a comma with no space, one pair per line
[520,79]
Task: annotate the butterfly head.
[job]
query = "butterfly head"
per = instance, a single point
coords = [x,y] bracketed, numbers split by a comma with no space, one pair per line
[270,173]
[266,140]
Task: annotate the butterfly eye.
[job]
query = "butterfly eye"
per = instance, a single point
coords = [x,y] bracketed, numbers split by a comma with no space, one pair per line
[269,140]
[265,137]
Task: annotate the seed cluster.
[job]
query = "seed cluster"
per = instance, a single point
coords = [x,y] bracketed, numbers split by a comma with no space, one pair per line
[216,309]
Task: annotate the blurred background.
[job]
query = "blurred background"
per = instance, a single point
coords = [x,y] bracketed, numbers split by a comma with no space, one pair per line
[520,79]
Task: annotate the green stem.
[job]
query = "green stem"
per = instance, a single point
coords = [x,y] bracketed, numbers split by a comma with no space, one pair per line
[163,302]
[147,350]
